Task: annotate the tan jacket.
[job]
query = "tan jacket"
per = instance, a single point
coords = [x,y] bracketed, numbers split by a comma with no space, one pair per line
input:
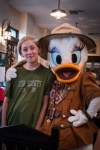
[82,91]
[97,142]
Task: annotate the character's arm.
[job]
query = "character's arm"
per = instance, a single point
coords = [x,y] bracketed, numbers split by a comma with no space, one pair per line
[11,72]
[42,112]
[4,111]
[94,107]
[80,117]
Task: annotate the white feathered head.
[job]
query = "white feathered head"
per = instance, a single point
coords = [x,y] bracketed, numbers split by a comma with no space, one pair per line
[66,50]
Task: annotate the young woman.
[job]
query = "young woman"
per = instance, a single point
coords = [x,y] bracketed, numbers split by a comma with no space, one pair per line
[27,95]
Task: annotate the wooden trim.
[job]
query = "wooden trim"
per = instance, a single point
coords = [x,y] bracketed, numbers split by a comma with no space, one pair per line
[93,59]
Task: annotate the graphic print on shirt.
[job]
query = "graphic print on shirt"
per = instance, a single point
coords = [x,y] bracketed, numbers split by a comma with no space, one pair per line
[30,85]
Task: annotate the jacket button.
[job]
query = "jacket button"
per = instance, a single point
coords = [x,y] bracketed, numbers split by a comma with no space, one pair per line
[48,120]
[63,116]
[62,125]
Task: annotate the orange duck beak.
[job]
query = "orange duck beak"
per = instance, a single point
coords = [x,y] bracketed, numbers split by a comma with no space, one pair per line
[67,73]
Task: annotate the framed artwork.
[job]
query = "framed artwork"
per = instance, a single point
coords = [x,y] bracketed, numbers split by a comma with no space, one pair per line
[2,59]
[15,32]
[93,51]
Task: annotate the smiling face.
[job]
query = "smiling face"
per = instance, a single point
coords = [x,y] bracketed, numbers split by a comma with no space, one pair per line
[67,58]
[29,50]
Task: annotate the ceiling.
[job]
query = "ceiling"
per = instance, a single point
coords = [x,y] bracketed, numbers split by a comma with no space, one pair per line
[86,13]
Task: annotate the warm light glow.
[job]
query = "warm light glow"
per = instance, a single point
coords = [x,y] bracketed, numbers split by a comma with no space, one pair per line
[7,35]
[58,13]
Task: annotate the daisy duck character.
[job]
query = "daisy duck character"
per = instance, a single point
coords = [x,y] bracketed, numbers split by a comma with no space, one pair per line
[66,50]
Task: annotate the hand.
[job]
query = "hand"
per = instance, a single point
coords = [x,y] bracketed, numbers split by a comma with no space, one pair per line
[78,119]
[11,73]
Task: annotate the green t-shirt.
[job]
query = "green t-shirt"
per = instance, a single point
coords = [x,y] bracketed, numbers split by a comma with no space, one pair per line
[26,94]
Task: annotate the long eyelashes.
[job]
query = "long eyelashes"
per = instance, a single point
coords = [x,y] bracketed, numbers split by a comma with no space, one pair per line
[82,45]
[51,50]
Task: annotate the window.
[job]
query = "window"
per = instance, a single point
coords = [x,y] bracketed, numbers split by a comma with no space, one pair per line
[2,59]
[15,32]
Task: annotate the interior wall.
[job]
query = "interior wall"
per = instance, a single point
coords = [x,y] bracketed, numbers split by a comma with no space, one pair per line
[14,17]
[22,29]
[32,28]
[4,9]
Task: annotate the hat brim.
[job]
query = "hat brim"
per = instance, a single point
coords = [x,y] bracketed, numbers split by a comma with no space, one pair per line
[44,42]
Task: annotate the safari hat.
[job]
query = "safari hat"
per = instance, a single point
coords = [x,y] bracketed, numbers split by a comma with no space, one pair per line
[63,31]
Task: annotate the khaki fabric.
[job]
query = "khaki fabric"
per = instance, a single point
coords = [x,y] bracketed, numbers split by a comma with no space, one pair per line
[21,63]
[97,142]
[84,89]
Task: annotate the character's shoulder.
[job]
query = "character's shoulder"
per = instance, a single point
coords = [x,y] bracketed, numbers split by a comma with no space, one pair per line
[87,76]
[19,68]
[45,68]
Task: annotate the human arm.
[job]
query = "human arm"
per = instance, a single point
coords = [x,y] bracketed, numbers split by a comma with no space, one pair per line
[42,112]
[4,111]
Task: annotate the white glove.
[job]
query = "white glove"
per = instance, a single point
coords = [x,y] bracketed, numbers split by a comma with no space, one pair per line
[11,73]
[78,119]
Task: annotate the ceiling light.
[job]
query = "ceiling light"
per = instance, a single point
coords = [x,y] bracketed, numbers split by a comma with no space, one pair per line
[58,13]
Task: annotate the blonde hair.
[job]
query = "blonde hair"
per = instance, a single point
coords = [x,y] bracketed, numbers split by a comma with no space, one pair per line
[25,38]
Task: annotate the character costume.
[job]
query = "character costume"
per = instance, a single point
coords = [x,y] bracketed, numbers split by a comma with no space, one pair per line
[97,142]
[66,50]
[26,93]
[58,111]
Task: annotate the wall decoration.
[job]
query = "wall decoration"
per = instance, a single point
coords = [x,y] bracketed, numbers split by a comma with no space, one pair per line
[93,51]
[11,54]
[2,59]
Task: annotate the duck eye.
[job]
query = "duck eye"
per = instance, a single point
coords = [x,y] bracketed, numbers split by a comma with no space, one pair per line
[76,57]
[56,58]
